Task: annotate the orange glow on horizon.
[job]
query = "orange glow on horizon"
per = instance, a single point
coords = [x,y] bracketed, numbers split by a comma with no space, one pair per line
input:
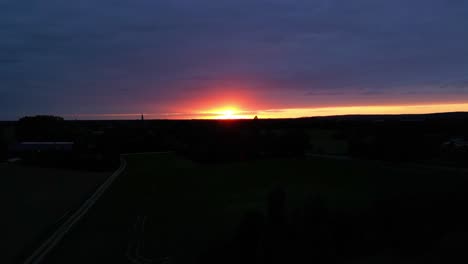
[223,113]
[234,113]
[228,114]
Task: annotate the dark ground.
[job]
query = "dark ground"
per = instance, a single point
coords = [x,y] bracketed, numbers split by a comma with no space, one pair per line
[165,208]
[33,199]
[326,189]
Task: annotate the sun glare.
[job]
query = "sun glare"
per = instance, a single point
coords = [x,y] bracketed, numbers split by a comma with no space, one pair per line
[227,114]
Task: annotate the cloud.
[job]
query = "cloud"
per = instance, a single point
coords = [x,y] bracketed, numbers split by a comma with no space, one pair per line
[79,56]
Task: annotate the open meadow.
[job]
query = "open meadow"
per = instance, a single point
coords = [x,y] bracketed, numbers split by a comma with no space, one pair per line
[166,208]
[33,200]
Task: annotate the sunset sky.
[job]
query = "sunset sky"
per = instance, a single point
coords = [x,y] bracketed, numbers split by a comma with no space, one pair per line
[107,59]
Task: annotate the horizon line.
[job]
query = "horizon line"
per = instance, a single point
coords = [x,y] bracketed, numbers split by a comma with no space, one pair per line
[278,113]
[286,113]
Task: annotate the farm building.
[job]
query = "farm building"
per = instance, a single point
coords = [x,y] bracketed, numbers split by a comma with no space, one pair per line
[43,147]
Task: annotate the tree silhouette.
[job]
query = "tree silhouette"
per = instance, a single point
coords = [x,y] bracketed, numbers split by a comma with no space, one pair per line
[42,128]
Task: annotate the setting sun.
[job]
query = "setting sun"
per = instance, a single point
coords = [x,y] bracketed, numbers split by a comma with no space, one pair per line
[224,113]
[227,114]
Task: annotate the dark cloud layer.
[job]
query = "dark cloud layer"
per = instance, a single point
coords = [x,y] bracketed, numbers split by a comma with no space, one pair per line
[120,56]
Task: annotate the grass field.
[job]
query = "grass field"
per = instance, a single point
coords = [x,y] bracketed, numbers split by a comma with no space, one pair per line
[33,199]
[195,204]
[190,207]
[323,141]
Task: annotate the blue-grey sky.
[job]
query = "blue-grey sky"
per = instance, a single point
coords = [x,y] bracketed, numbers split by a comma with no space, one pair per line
[163,57]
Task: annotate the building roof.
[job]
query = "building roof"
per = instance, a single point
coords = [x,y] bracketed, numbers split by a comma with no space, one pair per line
[47,143]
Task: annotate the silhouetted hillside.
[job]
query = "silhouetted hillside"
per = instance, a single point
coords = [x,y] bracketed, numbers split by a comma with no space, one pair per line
[440,138]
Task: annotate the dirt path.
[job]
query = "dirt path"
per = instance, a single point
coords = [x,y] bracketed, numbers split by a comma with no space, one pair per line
[32,200]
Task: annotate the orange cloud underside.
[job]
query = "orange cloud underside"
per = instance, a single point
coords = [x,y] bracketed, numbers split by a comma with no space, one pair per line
[241,102]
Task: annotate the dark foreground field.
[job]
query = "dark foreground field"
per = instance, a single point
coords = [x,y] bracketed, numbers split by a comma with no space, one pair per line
[33,200]
[165,209]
